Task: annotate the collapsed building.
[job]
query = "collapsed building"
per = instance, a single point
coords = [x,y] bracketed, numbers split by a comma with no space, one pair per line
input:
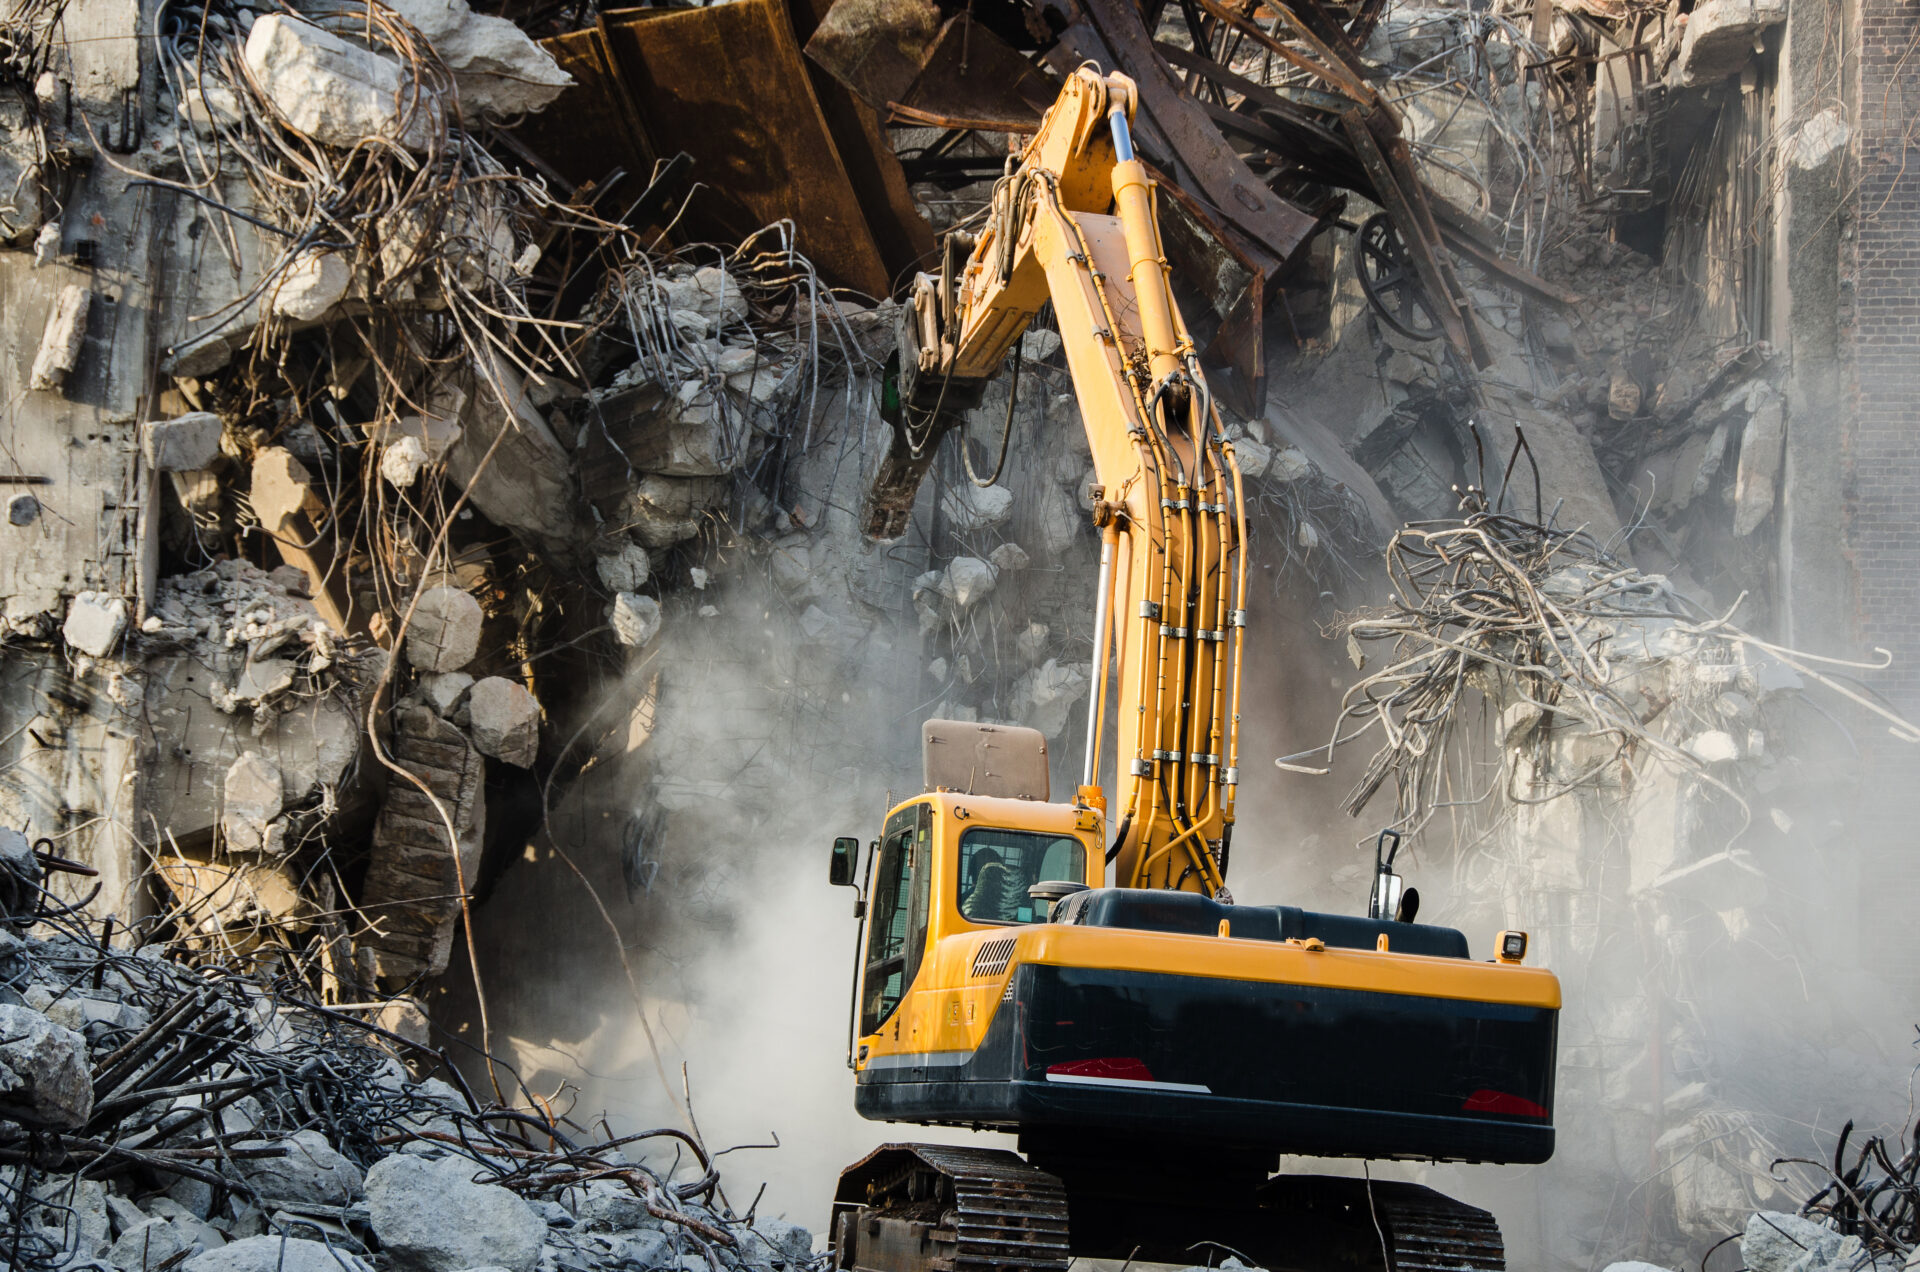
[439,446]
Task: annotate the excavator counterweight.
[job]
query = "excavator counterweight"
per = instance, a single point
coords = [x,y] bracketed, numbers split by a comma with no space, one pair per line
[1075,972]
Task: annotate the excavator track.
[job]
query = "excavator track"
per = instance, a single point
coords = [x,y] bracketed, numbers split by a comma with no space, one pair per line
[1430,1232]
[939,1208]
[909,1207]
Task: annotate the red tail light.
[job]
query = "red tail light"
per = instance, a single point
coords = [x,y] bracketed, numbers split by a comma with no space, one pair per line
[1105,1067]
[1485,1101]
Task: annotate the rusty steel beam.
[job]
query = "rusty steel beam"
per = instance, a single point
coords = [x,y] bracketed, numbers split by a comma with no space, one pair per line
[1221,176]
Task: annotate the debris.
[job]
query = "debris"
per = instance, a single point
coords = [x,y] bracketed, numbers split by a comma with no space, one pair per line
[505,720]
[333,91]
[445,631]
[967,580]
[625,570]
[60,342]
[182,444]
[635,618]
[43,1071]
[94,623]
[250,801]
[306,1170]
[311,286]
[1009,556]
[432,1216]
[1720,38]
[275,1254]
[401,461]
[443,690]
[1761,446]
[498,70]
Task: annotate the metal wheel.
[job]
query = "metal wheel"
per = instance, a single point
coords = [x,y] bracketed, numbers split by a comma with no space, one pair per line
[1387,277]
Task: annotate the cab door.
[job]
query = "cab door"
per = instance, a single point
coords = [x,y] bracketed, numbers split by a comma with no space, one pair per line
[897,917]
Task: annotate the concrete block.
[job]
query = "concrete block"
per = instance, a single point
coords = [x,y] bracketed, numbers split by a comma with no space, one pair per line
[402,460]
[184,444]
[442,690]
[498,69]
[967,580]
[1721,37]
[971,508]
[635,619]
[1009,556]
[1044,698]
[1251,458]
[1775,1242]
[431,1216]
[445,632]
[60,341]
[1290,463]
[1819,141]
[1761,444]
[149,1245]
[275,1254]
[94,623]
[44,1078]
[250,800]
[624,570]
[311,286]
[310,1172]
[505,720]
[335,92]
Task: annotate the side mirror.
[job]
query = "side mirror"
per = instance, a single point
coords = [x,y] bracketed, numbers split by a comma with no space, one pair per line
[1385,901]
[846,855]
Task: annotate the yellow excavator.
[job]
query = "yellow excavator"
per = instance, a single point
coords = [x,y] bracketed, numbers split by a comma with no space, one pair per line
[1077,974]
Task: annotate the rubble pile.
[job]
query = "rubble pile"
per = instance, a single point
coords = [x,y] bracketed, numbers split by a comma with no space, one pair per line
[490,450]
[158,1113]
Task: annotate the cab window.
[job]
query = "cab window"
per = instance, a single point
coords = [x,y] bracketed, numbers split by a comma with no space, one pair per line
[998,866]
[897,928]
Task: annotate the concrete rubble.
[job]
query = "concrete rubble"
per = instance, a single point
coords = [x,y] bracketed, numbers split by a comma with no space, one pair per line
[479,484]
[333,1152]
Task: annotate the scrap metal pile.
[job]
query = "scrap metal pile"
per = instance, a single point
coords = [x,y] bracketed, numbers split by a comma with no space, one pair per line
[1594,669]
[161,1109]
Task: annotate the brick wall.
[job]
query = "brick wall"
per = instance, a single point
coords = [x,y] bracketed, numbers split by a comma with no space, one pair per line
[1883,469]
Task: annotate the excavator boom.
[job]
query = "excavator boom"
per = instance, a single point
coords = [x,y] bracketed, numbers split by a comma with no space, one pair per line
[1171,602]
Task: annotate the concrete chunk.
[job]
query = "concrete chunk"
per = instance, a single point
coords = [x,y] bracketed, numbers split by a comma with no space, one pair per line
[94,623]
[431,1216]
[445,632]
[635,619]
[311,286]
[184,444]
[497,67]
[146,1246]
[311,1172]
[60,342]
[1761,444]
[443,690]
[44,1078]
[275,1254]
[1720,38]
[335,92]
[967,580]
[402,460]
[505,720]
[624,570]
[1774,1242]
[250,800]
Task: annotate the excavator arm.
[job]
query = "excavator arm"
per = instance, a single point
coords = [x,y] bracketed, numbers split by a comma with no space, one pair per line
[1072,222]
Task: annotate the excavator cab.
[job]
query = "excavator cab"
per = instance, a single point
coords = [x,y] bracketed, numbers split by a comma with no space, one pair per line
[1000,984]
